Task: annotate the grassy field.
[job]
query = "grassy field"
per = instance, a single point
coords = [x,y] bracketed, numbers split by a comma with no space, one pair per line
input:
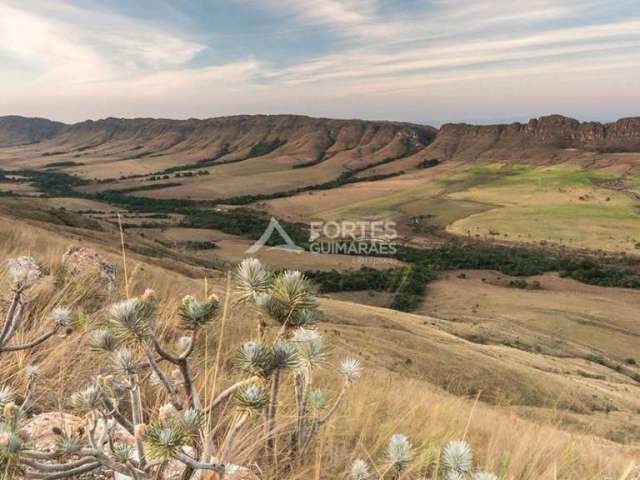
[526,427]
[564,204]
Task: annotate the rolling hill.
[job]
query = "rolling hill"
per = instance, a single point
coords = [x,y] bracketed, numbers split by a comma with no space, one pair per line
[545,337]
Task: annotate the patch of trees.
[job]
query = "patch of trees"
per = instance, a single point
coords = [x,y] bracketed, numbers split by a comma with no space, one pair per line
[144,188]
[264,148]
[407,284]
[429,163]
[245,223]
[63,164]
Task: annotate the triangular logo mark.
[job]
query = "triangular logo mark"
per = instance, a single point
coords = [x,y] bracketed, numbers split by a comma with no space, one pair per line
[288,246]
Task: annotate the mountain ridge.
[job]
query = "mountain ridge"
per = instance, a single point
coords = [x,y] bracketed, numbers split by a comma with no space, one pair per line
[555,131]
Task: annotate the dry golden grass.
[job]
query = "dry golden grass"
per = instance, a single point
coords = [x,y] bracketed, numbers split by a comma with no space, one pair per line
[387,401]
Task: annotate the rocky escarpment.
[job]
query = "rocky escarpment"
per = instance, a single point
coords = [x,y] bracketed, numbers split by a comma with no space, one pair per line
[15,130]
[220,136]
[553,131]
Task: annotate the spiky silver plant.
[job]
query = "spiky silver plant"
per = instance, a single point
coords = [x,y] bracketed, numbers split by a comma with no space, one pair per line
[251,398]
[399,452]
[313,350]
[129,319]
[61,317]
[103,340]
[164,441]
[195,314]
[32,372]
[126,362]
[318,399]
[458,456]
[88,399]
[360,470]
[290,300]
[253,358]
[180,431]
[350,369]
[251,279]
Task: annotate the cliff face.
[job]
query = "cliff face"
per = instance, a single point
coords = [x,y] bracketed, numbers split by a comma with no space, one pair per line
[553,131]
[294,133]
[311,139]
[15,130]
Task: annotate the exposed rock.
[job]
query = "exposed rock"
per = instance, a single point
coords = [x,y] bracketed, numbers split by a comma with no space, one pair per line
[237,136]
[40,429]
[553,131]
[81,260]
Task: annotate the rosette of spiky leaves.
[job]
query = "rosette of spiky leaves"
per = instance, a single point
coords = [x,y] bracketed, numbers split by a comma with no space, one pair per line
[350,369]
[484,476]
[103,340]
[359,470]
[251,398]
[251,280]
[191,420]
[318,399]
[164,440]
[284,356]
[194,314]
[458,456]
[67,444]
[32,372]
[61,317]
[122,452]
[125,362]
[87,399]
[129,319]
[313,351]
[253,358]
[291,300]
[399,452]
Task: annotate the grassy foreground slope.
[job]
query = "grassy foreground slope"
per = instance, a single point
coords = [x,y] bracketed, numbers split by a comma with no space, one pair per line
[410,360]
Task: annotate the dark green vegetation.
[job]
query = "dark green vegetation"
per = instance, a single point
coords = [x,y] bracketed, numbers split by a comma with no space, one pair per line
[407,284]
[426,264]
[428,163]
[264,148]
[63,164]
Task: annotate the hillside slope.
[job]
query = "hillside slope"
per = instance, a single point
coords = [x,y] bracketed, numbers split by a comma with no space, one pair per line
[15,130]
[408,359]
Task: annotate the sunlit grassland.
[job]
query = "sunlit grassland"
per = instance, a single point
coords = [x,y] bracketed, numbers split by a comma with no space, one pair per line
[563,204]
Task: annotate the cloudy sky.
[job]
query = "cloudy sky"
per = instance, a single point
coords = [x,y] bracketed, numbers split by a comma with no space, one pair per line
[426,61]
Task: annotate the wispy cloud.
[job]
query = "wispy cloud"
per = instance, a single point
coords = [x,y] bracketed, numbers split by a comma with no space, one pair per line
[88,58]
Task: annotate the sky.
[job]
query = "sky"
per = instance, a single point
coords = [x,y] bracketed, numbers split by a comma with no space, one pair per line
[423,61]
